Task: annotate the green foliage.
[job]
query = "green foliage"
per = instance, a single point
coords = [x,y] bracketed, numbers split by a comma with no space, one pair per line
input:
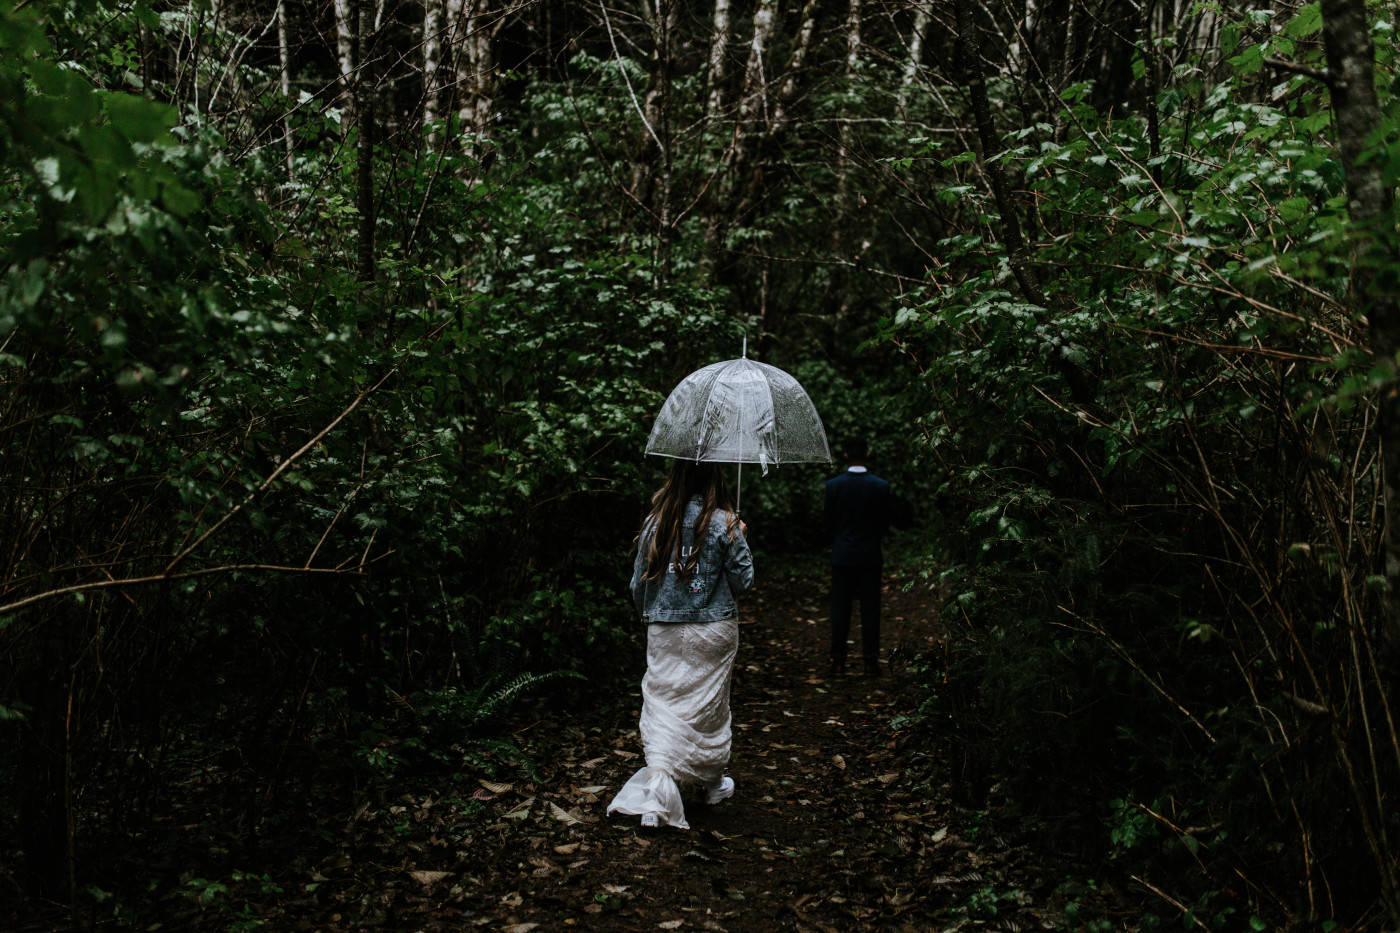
[276,523]
[1124,464]
[414,491]
[453,719]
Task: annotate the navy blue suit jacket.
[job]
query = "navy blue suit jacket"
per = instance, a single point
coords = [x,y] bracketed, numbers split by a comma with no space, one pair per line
[858,511]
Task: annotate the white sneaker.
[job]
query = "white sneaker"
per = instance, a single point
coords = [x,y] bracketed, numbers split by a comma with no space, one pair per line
[649,820]
[721,791]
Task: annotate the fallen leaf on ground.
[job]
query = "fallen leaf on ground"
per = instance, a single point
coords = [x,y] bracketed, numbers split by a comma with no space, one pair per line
[839,762]
[593,789]
[569,849]
[522,811]
[562,815]
[428,877]
[614,888]
[623,753]
[495,788]
[670,924]
[889,778]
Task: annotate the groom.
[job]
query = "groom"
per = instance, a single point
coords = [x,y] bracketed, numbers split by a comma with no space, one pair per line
[858,511]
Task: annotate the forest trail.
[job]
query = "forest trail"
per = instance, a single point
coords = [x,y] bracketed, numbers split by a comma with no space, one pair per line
[825,832]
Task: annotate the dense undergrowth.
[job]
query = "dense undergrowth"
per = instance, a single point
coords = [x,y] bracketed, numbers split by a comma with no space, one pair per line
[277,515]
[1164,592]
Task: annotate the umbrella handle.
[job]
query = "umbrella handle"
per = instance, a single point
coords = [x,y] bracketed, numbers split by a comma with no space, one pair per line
[739,494]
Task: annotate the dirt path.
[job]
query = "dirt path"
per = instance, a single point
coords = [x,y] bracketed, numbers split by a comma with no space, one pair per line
[842,821]
[833,827]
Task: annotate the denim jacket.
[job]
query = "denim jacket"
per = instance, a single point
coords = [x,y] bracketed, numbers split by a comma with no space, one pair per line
[724,568]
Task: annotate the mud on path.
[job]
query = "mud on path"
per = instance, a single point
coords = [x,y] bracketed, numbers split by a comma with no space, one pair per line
[835,825]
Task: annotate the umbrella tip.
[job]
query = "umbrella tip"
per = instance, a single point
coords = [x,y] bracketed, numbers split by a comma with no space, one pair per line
[746,347]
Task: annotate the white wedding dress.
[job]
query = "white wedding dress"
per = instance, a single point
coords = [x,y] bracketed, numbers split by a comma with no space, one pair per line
[685,721]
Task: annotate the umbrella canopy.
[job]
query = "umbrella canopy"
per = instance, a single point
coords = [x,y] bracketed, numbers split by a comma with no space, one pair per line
[739,411]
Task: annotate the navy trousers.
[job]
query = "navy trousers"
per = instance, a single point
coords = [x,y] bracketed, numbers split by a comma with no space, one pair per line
[847,585]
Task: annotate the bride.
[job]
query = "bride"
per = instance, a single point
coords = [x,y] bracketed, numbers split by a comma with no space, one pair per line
[692,558]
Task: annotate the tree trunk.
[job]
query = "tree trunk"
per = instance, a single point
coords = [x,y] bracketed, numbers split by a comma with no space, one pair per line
[345,47]
[719,58]
[364,121]
[843,148]
[747,186]
[1150,89]
[787,93]
[1052,53]
[1351,59]
[432,54]
[651,173]
[284,63]
[1351,65]
[922,15]
[753,111]
[843,282]
[474,61]
[1016,254]
[667,25]
[754,106]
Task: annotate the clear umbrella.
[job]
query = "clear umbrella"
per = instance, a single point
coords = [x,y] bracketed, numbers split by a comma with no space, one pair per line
[740,411]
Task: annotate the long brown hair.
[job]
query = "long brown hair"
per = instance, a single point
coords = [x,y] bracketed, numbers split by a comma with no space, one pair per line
[684,480]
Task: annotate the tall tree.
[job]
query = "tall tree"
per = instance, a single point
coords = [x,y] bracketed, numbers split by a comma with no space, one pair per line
[1351,67]
[432,54]
[846,132]
[364,122]
[472,28]
[790,86]
[1351,64]
[922,16]
[652,179]
[719,60]
[284,69]
[754,111]
[345,46]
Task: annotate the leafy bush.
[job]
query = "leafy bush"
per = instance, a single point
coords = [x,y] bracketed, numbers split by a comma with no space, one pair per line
[1156,585]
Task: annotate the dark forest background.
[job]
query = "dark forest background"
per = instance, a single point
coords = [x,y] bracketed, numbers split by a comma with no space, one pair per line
[331,335]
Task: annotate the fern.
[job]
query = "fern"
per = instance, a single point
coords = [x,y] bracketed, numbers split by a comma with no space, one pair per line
[500,700]
[486,754]
[456,717]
